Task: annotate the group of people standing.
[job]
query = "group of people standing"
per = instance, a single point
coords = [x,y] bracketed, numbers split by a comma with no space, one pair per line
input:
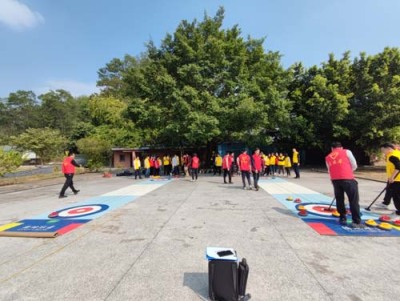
[256,165]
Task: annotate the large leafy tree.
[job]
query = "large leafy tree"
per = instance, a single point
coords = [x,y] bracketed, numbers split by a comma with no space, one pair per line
[59,110]
[204,84]
[374,112]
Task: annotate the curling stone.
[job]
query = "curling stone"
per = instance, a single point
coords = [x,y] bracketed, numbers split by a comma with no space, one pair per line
[289,198]
[297,200]
[397,223]
[384,218]
[371,223]
[303,212]
[385,226]
[53,215]
[335,213]
[301,207]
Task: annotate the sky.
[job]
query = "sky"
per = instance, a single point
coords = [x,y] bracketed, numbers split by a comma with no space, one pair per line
[61,44]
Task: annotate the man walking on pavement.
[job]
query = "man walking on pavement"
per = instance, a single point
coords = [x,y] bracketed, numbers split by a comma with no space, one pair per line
[341,164]
[68,169]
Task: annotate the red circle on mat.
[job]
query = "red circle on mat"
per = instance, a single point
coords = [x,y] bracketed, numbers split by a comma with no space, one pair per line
[80,210]
[322,209]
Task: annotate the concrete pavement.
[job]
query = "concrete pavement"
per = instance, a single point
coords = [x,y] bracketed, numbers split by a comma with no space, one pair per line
[153,248]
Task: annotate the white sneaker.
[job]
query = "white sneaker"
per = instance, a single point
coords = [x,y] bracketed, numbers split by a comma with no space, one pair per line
[382,206]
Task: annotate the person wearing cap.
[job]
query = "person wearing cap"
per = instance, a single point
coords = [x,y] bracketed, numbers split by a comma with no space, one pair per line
[392,170]
[341,165]
[68,169]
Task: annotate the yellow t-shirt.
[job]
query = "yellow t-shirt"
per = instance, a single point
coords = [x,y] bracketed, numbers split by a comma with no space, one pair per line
[218,161]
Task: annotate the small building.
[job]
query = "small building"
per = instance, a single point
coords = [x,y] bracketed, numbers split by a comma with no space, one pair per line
[123,157]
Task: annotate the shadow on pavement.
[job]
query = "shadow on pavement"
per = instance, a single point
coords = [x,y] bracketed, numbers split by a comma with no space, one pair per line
[197,282]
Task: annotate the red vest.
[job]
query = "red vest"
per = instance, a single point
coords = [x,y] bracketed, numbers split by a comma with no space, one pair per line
[244,162]
[257,162]
[195,162]
[339,165]
[227,162]
[67,167]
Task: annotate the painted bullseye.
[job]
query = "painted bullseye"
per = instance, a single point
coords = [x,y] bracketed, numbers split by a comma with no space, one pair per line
[79,211]
[318,209]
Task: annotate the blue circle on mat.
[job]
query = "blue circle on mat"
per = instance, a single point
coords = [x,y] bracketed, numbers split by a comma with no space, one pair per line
[103,207]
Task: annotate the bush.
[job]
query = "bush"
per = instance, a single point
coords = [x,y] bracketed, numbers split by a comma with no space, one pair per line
[9,161]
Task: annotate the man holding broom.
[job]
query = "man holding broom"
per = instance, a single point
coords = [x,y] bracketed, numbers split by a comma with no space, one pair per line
[392,169]
[341,164]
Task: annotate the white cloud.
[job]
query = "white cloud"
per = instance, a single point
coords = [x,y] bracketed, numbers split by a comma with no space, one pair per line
[71,86]
[18,16]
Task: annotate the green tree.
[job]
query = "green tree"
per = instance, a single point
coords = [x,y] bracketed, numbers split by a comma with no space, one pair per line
[98,151]
[59,111]
[18,112]
[374,116]
[205,84]
[47,143]
[9,161]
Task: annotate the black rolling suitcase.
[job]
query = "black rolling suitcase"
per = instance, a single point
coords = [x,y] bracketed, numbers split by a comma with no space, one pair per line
[227,280]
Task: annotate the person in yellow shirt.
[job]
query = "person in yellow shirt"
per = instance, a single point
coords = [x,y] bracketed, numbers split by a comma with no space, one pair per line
[288,164]
[266,163]
[218,164]
[167,165]
[272,160]
[392,170]
[137,167]
[296,163]
[147,166]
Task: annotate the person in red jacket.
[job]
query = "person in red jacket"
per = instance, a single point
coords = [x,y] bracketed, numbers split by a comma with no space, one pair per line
[227,166]
[68,169]
[195,167]
[341,164]
[244,163]
[256,167]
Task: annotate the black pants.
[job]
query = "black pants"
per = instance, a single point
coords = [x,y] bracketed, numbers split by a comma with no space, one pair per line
[217,169]
[395,190]
[296,169]
[256,177]
[350,187]
[228,173]
[68,183]
[195,172]
[138,173]
[245,175]
[388,194]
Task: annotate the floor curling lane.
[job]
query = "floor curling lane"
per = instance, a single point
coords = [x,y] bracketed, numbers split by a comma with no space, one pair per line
[318,211]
